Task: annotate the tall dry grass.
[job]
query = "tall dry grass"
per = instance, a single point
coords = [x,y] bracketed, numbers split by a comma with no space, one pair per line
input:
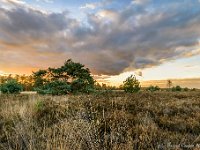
[116,121]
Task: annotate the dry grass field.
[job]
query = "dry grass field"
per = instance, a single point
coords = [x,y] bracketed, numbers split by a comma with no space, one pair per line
[107,121]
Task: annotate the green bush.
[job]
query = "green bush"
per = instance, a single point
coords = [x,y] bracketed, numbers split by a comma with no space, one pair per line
[186,89]
[131,85]
[81,86]
[55,88]
[153,88]
[193,89]
[176,88]
[11,87]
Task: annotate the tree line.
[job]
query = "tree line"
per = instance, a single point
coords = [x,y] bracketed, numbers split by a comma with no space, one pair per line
[26,81]
[70,78]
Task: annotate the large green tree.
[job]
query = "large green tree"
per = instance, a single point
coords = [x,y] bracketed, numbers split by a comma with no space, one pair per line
[72,77]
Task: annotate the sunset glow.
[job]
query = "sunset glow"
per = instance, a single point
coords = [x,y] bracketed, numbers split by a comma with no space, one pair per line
[113,38]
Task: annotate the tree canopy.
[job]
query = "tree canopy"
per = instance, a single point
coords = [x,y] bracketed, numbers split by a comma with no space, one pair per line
[72,77]
[131,84]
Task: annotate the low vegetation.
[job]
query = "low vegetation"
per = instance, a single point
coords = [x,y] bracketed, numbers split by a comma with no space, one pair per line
[108,120]
[153,88]
[11,87]
[176,88]
[72,111]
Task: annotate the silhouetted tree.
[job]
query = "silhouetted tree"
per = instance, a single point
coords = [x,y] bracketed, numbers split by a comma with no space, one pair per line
[169,83]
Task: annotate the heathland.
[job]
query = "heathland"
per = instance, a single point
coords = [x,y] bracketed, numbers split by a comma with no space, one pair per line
[103,120]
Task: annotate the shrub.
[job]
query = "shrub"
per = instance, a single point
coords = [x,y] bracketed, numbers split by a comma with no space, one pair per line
[11,87]
[186,89]
[80,85]
[176,88]
[131,85]
[153,88]
[55,88]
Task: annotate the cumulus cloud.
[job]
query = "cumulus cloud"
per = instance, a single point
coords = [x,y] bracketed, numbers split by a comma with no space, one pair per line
[46,1]
[111,42]
[89,6]
[13,1]
[140,2]
[96,4]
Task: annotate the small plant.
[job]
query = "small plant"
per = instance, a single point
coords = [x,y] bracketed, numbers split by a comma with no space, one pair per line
[193,89]
[131,85]
[11,87]
[186,89]
[153,88]
[39,105]
[176,88]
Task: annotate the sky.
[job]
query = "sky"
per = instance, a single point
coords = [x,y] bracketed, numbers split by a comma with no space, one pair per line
[152,39]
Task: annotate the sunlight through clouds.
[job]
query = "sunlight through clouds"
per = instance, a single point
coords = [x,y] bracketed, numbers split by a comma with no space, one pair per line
[112,38]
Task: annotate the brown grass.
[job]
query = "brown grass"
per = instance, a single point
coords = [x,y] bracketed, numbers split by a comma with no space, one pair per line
[116,121]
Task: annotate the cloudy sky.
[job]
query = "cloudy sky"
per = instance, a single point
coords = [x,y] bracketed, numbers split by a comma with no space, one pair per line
[113,38]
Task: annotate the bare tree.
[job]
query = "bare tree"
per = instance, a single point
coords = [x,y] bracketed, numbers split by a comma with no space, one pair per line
[169,83]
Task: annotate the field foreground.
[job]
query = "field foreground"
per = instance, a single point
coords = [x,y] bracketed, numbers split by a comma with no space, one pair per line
[160,120]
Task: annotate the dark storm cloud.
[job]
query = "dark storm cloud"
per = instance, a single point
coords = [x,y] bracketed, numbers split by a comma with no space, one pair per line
[27,23]
[141,35]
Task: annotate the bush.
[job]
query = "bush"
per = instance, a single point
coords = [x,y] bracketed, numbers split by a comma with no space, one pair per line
[153,88]
[131,85]
[81,86]
[55,88]
[186,89]
[176,88]
[11,87]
